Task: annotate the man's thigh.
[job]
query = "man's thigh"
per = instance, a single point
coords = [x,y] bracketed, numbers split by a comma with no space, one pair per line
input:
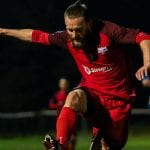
[95,110]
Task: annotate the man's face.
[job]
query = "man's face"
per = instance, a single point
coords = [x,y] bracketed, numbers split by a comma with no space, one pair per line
[63,84]
[77,29]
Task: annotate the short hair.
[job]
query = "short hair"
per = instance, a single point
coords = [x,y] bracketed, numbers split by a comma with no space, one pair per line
[76,10]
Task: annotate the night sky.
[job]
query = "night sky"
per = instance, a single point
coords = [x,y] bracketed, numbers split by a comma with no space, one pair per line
[29,72]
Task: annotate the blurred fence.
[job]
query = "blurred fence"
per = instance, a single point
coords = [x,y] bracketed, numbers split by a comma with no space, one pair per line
[44,121]
[27,122]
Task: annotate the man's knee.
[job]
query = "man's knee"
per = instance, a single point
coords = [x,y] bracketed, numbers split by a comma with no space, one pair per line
[72,99]
[77,100]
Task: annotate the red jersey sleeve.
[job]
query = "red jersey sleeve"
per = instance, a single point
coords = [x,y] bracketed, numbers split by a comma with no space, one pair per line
[58,38]
[40,37]
[142,36]
[119,34]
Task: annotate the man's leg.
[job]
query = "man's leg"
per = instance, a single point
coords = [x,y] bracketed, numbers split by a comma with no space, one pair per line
[112,131]
[98,142]
[76,102]
[118,135]
[116,128]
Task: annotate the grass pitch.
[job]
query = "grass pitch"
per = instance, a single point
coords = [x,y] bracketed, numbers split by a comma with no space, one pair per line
[138,140]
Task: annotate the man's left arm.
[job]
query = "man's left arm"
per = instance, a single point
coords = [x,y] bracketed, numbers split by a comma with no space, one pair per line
[122,35]
[143,73]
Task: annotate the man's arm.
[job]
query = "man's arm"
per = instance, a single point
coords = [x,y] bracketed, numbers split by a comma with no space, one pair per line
[145,69]
[21,34]
[37,36]
[145,47]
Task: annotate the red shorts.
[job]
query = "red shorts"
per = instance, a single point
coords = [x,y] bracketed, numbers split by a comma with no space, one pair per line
[109,115]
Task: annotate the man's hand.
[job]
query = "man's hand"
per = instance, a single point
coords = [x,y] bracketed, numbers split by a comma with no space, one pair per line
[143,75]
[3,31]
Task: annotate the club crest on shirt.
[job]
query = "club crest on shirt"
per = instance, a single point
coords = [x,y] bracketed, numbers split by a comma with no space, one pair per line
[102,50]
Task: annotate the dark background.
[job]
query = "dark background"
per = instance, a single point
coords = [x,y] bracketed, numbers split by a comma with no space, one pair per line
[29,72]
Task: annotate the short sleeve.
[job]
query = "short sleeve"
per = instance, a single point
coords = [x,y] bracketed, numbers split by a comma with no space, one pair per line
[58,38]
[120,34]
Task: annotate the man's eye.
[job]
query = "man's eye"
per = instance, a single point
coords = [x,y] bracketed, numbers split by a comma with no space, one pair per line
[70,30]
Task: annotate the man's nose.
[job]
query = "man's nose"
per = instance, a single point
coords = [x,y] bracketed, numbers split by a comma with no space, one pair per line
[74,34]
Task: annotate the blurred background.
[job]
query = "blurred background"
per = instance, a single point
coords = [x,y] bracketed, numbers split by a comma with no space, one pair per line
[29,73]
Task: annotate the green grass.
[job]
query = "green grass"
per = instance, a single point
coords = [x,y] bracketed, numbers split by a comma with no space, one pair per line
[21,143]
[139,137]
[138,140]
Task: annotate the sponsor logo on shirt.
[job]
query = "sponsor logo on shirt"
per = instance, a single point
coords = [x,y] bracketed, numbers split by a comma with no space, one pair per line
[94,70]
[102,50]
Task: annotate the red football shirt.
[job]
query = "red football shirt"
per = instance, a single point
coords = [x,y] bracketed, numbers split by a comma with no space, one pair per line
[58,100]
[109,73]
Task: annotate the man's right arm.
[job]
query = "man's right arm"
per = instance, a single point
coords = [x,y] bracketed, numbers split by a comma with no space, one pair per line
[21,34]
[37,36]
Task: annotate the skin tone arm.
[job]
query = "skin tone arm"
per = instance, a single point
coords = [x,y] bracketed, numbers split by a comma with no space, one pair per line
[145,69]
[21,34]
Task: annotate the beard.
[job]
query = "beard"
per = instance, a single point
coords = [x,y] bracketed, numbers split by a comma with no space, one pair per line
[78,42]
[88,43]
